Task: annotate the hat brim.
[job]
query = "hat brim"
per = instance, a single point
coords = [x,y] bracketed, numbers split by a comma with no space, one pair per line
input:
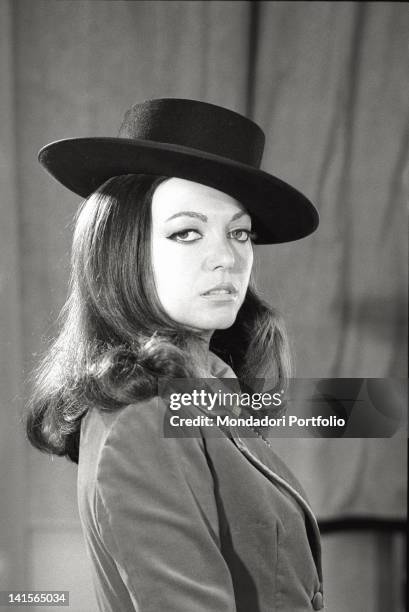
[280,212]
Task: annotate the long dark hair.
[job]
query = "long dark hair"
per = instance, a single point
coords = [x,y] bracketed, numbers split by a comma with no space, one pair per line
[115,340]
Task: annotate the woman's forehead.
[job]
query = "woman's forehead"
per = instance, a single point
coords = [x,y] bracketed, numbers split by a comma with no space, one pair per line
[176,195]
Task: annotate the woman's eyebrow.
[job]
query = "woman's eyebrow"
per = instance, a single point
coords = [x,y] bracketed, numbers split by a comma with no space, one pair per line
[191,213]
[188,213]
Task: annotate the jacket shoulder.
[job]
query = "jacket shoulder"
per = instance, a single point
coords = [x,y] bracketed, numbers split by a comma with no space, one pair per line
[137,438]
[156,513]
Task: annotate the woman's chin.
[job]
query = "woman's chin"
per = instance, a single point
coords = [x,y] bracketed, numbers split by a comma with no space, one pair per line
[208,321]
[216,323]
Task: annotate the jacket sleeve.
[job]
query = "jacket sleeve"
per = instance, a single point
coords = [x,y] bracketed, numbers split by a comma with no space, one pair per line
[158,518]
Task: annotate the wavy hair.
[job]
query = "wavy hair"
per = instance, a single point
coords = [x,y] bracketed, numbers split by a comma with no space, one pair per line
[115,340]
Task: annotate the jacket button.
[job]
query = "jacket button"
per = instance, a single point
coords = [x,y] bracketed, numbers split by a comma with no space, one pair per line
[318,601]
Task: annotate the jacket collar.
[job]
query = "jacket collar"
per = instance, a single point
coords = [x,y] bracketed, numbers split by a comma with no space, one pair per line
[218,368]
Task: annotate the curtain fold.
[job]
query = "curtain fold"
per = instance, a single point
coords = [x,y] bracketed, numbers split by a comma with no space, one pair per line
[12,443]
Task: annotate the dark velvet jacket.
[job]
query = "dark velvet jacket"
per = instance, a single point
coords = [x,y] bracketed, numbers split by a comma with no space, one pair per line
[197,524]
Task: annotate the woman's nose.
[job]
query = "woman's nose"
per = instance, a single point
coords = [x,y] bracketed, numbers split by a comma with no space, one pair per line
[220,254]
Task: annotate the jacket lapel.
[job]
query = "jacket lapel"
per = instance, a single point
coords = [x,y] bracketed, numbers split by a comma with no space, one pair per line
[259,452]
[262,456]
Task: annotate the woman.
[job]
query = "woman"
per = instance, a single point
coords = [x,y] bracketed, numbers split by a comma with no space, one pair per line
[161,265]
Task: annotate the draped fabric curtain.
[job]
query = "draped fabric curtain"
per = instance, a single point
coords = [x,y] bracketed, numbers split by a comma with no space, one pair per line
[328,83]
[331,90]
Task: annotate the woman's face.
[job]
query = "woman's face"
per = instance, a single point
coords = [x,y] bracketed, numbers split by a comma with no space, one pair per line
[202,254]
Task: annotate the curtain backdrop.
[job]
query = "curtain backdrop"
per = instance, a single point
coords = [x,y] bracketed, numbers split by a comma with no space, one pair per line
[328,83]
[331,91]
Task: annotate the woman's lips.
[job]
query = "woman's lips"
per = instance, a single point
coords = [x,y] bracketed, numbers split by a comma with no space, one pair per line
[220,297]
[225,292]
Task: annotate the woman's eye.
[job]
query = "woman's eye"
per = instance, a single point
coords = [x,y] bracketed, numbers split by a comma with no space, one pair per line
[241,235]
[188,235]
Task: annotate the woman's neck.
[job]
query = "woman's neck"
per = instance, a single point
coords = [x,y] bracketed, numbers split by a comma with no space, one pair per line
[198,349]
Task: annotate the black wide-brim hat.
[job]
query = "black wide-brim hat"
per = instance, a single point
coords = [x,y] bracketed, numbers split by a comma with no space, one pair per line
[193,140]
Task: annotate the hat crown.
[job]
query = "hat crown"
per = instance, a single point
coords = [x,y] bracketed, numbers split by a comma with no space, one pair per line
[197,125]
